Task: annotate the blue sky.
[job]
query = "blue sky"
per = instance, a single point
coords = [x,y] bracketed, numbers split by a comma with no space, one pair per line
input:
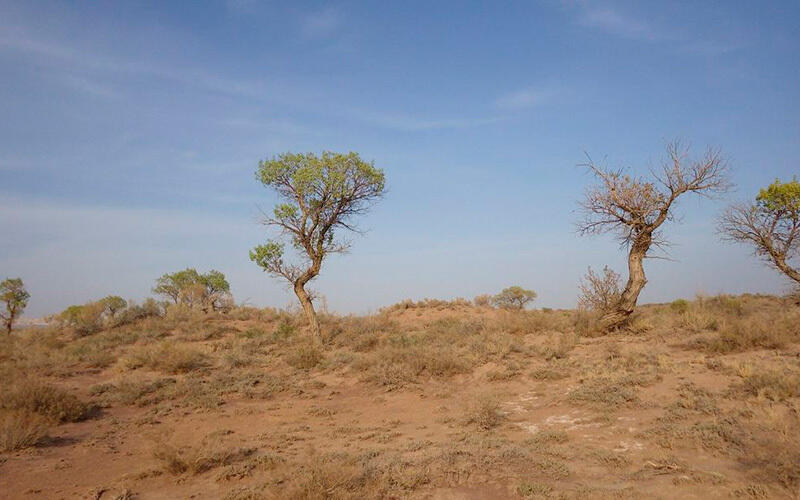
[131,132]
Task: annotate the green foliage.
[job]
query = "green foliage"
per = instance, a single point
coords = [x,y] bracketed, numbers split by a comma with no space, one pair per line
[268,257]
[514,297]
[15,297]
[321,194]
[780,197]
[84,319]
[679,305]
[188,287]
[113,304]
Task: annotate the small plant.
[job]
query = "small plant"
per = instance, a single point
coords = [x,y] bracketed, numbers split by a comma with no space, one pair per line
[484,300]
[21,429]
[45,400]
[679,306]
[484,412]
[305,356]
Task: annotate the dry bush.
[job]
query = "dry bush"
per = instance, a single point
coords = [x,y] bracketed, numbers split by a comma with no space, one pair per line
[167,357]
[45,400]
[21,429]
[304,356]
[484,412]
[768,330]
[605,391]
[196,460]
[484,300]
[600,293]
[772,384]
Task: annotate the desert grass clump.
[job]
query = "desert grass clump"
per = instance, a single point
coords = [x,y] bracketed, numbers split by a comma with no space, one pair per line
[45,400]
[22,429]
[304,356]
[167,357]
[774,385]
[196,460]
[605,391]
[484,412]
[767,330]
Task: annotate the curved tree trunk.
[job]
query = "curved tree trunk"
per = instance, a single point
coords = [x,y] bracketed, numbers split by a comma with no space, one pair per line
[308,308]
[636,281]
[787,269]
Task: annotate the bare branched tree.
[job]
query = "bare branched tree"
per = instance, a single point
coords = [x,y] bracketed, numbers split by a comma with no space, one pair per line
[771,226]
[635,208]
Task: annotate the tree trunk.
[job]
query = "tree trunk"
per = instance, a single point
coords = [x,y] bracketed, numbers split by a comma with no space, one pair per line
[787,270]
[308,308]
[636,281]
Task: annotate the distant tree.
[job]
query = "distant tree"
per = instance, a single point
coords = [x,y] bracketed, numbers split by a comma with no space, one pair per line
[771,225]
[171,285]
[15,297]
[635,209]
[322,195]
[84,319]
[208,291]
[113,304]
[514,297]
[600,293]
[483,300]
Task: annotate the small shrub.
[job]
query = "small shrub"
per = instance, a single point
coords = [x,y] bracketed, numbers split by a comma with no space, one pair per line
[773,385]
[168,357]
[484,300]
[484,412]
[21,429]
[304,356]
[679,306]
[46,400]
[198,460]
[600,293]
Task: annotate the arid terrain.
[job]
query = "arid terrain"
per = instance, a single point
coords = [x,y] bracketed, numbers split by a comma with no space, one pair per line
[433,399]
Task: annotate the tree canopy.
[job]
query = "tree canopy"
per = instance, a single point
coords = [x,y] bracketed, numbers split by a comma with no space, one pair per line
[771,225]
[15,297]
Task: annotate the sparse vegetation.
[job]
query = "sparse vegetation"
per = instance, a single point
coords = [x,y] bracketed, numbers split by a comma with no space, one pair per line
[421,396]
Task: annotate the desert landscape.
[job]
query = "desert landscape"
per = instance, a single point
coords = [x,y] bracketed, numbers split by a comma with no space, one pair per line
[429,399]
[337,250]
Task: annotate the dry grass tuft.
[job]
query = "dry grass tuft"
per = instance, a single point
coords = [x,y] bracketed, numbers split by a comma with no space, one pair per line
[196,460]
[484,412]
[167,357]
[45,400]
[21,429]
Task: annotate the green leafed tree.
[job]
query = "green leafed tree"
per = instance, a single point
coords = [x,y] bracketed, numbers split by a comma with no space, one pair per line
[15,298]
[770,225]
[514,297]
[210,291]
[114,304]
[321,197]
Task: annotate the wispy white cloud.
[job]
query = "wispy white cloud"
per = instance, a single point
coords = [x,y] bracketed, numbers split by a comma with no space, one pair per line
[602,16]
[522,99]
[616,23]
[322,24]
[410,123]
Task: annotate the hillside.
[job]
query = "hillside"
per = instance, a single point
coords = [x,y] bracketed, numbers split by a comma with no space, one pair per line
[423,400]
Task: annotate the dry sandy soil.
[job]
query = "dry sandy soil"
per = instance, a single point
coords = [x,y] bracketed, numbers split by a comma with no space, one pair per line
[438,400]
